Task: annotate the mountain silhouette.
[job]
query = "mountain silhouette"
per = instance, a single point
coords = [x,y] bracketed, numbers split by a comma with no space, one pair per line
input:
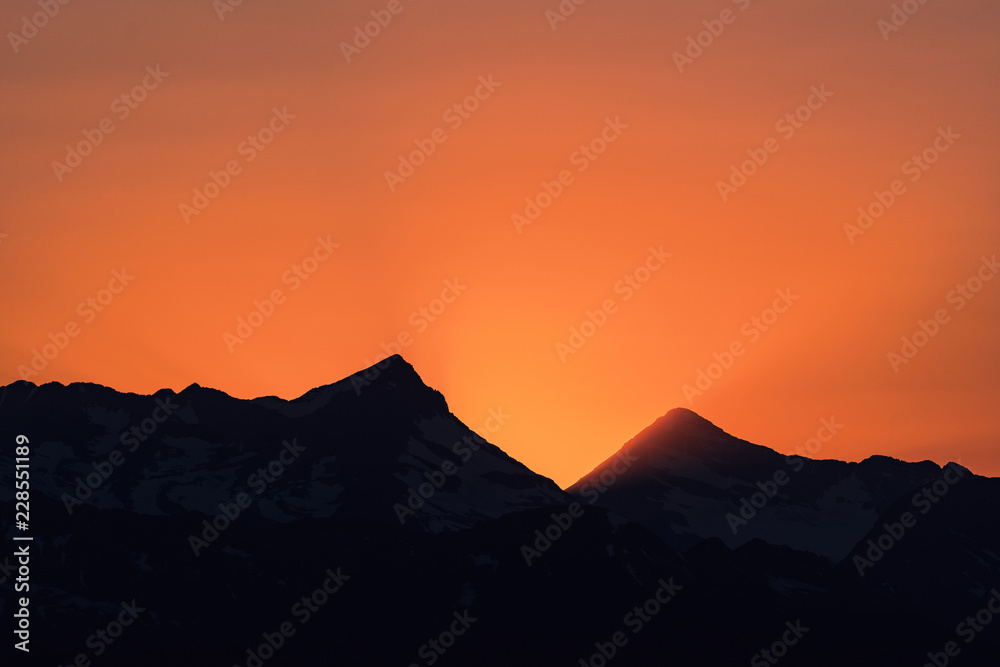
[361,452]
[691,481]
[363,523]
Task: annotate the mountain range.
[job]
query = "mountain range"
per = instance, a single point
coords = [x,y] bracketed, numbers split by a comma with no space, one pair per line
[364,524]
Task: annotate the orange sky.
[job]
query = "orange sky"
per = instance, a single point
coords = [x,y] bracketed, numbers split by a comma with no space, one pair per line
[887,96]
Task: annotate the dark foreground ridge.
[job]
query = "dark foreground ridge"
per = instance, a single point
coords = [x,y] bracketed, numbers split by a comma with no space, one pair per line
[362,523]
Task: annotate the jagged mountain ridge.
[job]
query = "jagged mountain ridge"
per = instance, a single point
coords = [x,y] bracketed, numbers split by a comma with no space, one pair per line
[207,446]
[693,481]
[496,540]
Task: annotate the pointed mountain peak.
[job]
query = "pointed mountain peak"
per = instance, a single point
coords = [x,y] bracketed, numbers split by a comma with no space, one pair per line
[394,367]
[195,389]
[392,372]
[682,413]
[684,418]
[680,425]
[391,379]
[679,439]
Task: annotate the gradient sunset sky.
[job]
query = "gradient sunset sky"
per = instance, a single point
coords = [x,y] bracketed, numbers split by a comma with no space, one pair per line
[661,131]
